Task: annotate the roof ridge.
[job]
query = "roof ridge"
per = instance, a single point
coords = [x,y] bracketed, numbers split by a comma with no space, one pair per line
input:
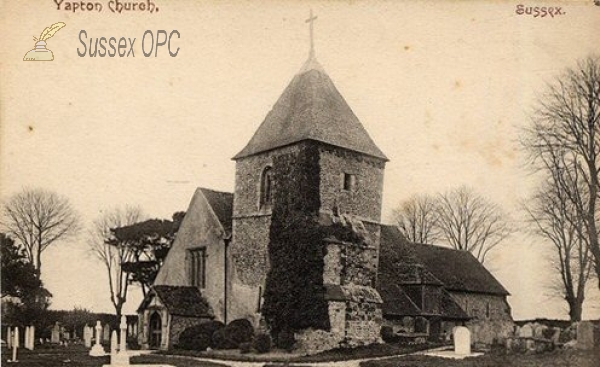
[217,191]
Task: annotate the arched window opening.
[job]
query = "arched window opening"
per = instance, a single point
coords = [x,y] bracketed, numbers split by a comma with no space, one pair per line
[266,187]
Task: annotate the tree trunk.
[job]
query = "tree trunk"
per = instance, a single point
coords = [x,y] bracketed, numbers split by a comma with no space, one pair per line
[575,309]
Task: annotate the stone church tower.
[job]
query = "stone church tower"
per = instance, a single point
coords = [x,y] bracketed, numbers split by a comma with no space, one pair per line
[311,137]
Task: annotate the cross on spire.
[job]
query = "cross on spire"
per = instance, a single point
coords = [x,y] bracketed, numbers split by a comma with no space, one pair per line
[311,19]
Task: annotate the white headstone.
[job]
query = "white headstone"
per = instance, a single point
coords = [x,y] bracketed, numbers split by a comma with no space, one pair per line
[15,344]
[106,336]
[113,344]
[462,341]
[87,336]
[9,337]
[526,331]
[585,335]
[123,336]
[32,337]
[97,350]
[55,337]
[538,332]
[26,338]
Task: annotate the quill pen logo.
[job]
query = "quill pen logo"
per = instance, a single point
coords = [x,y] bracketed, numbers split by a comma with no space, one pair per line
[40,52]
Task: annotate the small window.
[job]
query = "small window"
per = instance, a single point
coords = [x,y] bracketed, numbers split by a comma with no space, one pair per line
[266,187]
[197,259]
[487,310]
[349,182]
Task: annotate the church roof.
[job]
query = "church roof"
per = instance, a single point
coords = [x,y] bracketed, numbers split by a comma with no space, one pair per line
[311,108]
[457,270]
[222,204]
[181,300]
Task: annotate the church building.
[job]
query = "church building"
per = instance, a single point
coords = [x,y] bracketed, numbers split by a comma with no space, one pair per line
[308,183]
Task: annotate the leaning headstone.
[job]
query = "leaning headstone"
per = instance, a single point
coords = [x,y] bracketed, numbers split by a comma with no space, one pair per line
[55,337]
[526,331]
[556,336]
[462,341]
[97,350]
[585,335]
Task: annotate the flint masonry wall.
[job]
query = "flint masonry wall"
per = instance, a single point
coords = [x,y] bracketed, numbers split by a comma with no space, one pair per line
[491,316]
[248,251]
[364,200]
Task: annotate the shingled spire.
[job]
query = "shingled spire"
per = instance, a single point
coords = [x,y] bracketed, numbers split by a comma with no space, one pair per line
[311,108]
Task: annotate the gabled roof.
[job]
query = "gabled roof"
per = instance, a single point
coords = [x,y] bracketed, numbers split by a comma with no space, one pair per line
[222,205]
[311,108]
[180,300]
[457,270]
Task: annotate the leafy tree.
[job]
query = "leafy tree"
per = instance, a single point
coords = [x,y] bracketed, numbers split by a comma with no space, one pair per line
[132,250]
[149,242]
[24,298]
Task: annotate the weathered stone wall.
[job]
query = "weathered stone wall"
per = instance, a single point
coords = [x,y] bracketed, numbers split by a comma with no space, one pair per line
[363,323]
[248,250]
[311,341]
[483,307]
[364,200]
[248,174]
[492,319]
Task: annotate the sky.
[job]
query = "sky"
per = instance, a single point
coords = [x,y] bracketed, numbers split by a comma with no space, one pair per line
[443,88]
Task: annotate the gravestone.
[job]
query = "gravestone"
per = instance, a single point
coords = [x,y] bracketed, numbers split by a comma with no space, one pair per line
[408,323]
[106,336]
[97,350]
[55,337]
[538,331]
[462,341]
[526,331]
[15,345]
[87,336]
[9,338]
[585,335]
[556,336]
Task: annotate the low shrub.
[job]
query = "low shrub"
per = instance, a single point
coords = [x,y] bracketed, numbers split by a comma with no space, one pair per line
[220,340]
[286,340]
[387,334]
[199,337]
[199,342]
[263,343]
[245,348]
[239,331]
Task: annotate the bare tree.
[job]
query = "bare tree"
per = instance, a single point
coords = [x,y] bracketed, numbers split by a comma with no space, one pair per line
[469,222]
[566,128]
[38,218]
[556,219]
[417,219]
[112,255]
